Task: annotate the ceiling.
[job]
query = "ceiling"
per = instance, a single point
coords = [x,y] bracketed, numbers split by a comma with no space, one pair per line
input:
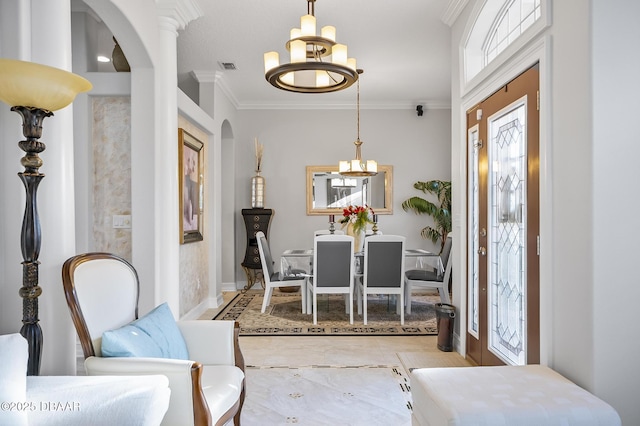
[403,46]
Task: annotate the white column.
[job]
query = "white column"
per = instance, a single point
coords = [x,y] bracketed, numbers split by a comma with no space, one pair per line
[172,16]
[166,172]
[15,42]
[51,44]
[207,92]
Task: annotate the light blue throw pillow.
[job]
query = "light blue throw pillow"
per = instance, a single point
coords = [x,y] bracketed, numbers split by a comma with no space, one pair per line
[155,335]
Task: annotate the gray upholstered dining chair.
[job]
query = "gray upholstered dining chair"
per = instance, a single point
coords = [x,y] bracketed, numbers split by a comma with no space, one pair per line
[333,268]
[383,271]
[274,279]
[424,278]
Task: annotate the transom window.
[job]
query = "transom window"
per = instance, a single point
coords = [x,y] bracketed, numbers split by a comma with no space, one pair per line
[517,16]
[499,29]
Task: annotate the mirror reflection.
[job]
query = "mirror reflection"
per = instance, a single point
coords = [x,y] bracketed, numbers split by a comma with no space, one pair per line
[328,192]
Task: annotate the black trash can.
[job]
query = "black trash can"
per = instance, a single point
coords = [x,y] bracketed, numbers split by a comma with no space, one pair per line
[445,318]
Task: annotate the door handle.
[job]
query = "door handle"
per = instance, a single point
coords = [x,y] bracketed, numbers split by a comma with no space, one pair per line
[482,251]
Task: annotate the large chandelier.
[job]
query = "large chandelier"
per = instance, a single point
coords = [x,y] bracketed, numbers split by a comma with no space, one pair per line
[310,70]
[357,166]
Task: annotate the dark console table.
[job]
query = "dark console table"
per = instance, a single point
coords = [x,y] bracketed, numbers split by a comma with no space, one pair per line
[255,220]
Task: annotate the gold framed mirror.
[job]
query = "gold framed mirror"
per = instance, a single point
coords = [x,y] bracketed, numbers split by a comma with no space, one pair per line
[328,192]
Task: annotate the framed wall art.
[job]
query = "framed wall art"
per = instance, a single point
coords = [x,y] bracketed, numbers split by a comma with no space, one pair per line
[191,186]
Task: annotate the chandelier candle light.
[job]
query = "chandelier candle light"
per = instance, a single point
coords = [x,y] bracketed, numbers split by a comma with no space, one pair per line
[309,70]
[34,91]
[358,167]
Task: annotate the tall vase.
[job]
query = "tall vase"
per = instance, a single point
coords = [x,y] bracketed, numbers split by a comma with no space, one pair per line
[257,191]
[358,238]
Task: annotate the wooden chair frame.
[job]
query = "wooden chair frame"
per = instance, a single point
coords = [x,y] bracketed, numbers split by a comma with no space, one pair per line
[202,415]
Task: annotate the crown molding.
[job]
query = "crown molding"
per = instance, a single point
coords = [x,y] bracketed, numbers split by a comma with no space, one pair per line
[341,106]
[205,76]
[217,78]
[452,11]
[181,11]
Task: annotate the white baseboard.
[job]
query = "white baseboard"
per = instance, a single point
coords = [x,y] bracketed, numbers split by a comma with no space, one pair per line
[231,286]
[211,302]
[197,311]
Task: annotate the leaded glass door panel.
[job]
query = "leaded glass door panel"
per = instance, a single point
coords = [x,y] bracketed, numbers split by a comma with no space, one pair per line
[503,222]
[507,232]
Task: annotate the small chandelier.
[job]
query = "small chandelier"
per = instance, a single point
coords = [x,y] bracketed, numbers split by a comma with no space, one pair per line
[358,167]
[307,72]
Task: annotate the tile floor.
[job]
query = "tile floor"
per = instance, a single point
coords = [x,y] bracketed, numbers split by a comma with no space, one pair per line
[408,352]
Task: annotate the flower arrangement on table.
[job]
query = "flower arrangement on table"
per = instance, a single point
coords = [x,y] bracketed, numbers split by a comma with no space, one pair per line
[357,216]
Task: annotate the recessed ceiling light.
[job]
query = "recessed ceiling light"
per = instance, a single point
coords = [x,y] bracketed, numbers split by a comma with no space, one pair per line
[103,59]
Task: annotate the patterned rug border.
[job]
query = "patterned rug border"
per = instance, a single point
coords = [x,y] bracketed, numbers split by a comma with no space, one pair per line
[234,309]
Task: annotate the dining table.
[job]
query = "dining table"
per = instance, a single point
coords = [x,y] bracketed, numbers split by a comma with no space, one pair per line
[299,262]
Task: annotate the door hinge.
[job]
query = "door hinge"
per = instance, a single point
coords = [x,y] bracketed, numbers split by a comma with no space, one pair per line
[479,114]
[538,245]
[538,100]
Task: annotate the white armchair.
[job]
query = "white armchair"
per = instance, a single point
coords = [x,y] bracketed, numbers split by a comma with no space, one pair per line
[102,294]
[75,400]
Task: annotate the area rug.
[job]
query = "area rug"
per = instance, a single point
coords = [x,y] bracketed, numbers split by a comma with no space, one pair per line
[327,395]
[284,317]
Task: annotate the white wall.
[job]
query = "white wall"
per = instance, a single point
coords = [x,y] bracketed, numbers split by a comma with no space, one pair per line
[615,61]
[418,148]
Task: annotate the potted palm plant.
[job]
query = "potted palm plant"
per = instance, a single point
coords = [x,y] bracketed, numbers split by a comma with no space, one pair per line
[441,212]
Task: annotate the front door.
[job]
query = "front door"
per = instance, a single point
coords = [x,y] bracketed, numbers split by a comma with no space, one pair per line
[503,199]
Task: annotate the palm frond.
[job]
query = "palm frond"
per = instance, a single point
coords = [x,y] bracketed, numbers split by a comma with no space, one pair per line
[428,233]
[419,206]
[441,214]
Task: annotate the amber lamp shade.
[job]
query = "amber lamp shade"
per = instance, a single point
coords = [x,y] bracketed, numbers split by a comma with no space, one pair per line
[34,85]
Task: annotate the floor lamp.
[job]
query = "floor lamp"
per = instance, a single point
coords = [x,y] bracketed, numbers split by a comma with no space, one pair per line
[34,91]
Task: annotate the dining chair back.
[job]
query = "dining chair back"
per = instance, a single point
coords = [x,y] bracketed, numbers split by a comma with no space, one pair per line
[383,271]
[274,279]
[424,278]
[333,269]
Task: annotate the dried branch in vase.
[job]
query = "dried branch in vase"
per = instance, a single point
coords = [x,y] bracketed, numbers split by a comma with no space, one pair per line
[259,151]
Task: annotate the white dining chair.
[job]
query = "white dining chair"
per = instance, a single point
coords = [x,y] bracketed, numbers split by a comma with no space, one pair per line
[333,269]
[383,271]
[425,278]
[274,279]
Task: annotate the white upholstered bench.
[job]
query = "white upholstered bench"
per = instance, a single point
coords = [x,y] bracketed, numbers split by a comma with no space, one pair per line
[510,396]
